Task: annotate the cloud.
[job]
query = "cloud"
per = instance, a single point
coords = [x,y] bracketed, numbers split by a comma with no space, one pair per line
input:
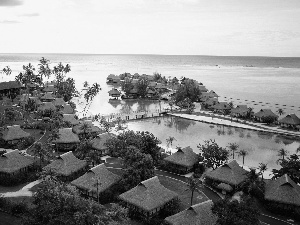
[9,21]
[10,3]
[30,14]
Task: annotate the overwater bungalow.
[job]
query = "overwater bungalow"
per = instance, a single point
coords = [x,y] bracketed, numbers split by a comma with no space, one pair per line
[150,93]
[96,181]
[264,113]
[199,214]
[148,197]
[115,93]
[133,93]
[291,120]
[92,130]
[239,111]
[67,167]
[283,193]
[14,134]
[227,177]
[112,78]
[13,163]
[98,143]
[182,161]
[67,140]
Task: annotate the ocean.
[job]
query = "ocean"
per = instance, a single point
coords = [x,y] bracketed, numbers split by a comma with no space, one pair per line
[260,82]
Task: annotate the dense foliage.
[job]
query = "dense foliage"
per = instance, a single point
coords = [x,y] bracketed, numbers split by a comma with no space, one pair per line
[212,154]
[188,90]
[236,213]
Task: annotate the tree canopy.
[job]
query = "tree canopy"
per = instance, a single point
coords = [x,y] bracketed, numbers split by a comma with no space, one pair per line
[212,154]
[189,89]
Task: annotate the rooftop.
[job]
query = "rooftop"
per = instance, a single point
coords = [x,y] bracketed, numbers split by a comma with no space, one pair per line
[183,157]
[13,161]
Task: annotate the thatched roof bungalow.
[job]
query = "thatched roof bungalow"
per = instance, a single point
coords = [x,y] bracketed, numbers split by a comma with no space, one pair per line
[264,113]
[230,173]
[97,176]
[98,143]
[221,107]
[199,214]
[47,97]
[283,190]
[148,197]
[183,160]
[92,129]
[115,93]
[67,166]
[71,119]
[13,134]
[49,88]
[46,106]
[67,139]
[13,162]
[239,110]
[203,88]
[213,94]
[59,102]
[67,109]
[290,120]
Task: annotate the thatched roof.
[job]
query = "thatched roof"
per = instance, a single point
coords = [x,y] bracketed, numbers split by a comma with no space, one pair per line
[47,96]
[290,119]
[152,84]
[203,88]
[66,136]
[92,128]
[229,173]
[98,143]
[199,214]
[213,94]
[99,173]
[111,76]
[148,195]
[283,190]
[59,102]
[264,113]
[240,109]
[225,187]
[14,133]
[36,100]
[211,101]
[46,106]
[114,92]
[70,118]
[66,164]
[13,161]
[183,157]
[49,88]
[221,106]
[67,109]
[9,85]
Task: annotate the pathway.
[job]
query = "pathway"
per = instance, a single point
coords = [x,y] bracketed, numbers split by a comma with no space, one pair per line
[25,191]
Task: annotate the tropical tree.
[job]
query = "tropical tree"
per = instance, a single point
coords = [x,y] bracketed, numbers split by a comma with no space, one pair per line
[249,113]
[189,89]
[142,86]
[280,111]
[282,153]
[233,147]
[262,168]
[89,96]
[212,154]
[41,151]
[243,153]
[44,69]
[193,184]
[86,128]
[170,141]
[253,185]
[234,212]
[6,70]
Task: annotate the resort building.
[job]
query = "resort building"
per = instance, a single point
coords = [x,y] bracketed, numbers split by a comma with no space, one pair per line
[8,87]
[264,113]
[199,214]
[182,161]
[114,93]
[96,181]
[59,102]
[221,107]
[47,97]
[213,94]
[203,88]
[98,143]
[284,192]
[13,163]
[67,109]
[67,140]
[70,118]
[13,134]
[290,120]
[86,127]
[49,88]
[227,177]
[67,166]
[113,79]
[239,111]
[46,108]
[148,198]
[210,102]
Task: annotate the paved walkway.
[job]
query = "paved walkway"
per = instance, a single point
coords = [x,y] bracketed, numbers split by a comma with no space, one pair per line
[22,192]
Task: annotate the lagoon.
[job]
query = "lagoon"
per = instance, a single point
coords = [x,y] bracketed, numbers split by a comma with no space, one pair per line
[261,146]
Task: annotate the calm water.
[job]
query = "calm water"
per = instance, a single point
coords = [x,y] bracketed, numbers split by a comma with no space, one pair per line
[269,83]
[262,147]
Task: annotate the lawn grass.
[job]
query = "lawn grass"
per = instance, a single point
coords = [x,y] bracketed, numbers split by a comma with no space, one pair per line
[183,191]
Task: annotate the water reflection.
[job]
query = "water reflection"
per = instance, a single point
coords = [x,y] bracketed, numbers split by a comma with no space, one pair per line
[262,147]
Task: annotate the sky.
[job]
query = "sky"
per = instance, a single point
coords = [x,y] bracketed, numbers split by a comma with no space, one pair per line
[171,27]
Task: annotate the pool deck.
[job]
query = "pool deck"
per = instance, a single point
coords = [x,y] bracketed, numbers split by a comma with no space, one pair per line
[212,119]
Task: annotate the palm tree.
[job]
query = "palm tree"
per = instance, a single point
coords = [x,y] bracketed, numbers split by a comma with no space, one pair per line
[193,184]
[170,141]
[282,153]
[280,112]
[252,182]
[44,69]
[6,70]
[85,127]
[262,168]
[243,153]
[249,112]
[40,151]
[233,147]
